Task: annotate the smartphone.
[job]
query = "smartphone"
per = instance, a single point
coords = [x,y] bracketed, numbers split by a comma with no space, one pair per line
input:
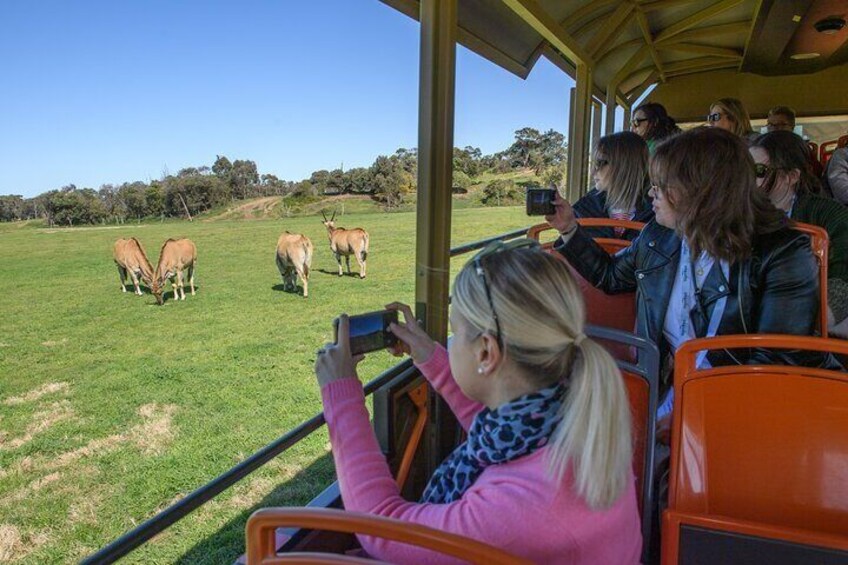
[370,332]
[540,201]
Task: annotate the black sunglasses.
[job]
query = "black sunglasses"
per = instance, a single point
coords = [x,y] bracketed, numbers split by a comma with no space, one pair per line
[714,117]
[762,170]
[600,163]
[636,121]
[491,249]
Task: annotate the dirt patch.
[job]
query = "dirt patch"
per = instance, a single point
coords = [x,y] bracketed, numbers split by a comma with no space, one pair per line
[62,341]
[3,344]
[37,393]
[151,436]
[84,509]
[14,545]
[157,430]
[57,412]
[260,207]
[88,228]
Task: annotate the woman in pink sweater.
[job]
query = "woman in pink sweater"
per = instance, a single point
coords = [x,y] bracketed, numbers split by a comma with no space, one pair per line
[546,470]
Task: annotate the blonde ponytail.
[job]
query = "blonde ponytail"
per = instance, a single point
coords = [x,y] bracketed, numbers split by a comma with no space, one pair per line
[593,438]
[541,317]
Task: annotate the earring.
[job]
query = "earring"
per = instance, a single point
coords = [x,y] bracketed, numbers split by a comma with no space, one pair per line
[480,370]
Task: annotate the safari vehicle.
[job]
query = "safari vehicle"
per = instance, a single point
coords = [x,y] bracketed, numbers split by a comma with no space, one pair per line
[789,504]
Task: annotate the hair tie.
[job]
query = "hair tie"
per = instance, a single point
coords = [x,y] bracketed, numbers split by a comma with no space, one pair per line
[579,339]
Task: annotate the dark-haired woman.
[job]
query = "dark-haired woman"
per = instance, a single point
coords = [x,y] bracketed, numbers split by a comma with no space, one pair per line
[653,124]
[719,259]
[620,173]
[782,169]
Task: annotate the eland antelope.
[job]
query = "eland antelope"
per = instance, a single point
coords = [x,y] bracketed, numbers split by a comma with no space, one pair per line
[176,256]
[131,260]
[294,258]
[346,243]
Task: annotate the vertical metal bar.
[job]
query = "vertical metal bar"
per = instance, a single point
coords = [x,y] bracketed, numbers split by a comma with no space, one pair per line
[610,110]
[435,175]
[596,123]
[578,143]
[627,112]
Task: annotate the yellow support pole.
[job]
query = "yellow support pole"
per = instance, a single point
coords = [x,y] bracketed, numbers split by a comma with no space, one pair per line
[578,139]
[435,163]
[436,91]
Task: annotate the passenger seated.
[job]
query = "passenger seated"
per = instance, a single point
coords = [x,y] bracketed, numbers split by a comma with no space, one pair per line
[836,175]
[780,118]
[783,174]
[718,259]
[620,173]
[730,114]
[545,472]
[653,124]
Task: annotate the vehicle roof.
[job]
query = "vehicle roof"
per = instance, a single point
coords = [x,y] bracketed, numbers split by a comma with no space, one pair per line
[703,49]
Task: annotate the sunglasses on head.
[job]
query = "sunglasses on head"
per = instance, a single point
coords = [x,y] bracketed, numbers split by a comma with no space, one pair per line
[714,117]
[492,249]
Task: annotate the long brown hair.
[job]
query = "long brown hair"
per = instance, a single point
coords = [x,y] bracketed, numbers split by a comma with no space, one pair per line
[708,177]
[627,154]
[787,151]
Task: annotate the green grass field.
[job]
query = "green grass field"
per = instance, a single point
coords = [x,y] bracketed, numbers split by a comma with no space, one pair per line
[111,407]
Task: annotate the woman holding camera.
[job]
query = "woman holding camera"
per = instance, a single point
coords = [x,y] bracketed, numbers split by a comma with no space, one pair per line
[719,259]
[545,472]
[620,174]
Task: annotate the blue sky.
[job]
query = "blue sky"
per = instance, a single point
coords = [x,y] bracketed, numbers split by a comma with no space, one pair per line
[106,92]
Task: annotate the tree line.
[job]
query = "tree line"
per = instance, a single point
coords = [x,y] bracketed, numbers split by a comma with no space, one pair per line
[194,190]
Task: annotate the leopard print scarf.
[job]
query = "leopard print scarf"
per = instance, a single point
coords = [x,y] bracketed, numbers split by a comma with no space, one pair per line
[508,432]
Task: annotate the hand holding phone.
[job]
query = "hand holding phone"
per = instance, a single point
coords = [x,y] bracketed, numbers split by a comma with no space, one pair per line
[370,332]
[412,339]
[334,361]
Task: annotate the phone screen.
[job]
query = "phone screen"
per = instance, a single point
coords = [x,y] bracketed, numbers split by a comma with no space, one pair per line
[540,201]
[370,332]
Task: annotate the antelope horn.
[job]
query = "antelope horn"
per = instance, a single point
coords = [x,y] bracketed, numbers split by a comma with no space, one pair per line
[334,216]
[324,215]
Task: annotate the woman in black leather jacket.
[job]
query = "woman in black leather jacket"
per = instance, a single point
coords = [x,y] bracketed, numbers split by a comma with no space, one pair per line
[745,270]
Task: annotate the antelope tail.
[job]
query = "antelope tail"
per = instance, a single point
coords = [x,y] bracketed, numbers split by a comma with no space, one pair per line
[307,261]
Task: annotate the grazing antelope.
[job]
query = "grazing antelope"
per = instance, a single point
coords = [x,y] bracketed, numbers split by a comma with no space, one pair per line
[176,256]
[294,258]
[346,243]
[131,259]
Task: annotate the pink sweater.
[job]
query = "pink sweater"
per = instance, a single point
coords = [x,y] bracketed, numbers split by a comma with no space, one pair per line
[515,506]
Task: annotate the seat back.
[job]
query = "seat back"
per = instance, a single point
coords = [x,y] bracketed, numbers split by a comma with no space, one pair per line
[262,525]
[827,148]
[820,243]
[764,444]
[616,311]
[640,371]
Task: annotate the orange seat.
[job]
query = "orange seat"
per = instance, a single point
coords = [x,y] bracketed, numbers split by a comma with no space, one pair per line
[759,457]
[827,148]
[820,243]
[641,379]
[608,310]
[262,526]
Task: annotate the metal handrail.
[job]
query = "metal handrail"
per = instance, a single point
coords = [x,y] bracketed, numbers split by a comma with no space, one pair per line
[180,509]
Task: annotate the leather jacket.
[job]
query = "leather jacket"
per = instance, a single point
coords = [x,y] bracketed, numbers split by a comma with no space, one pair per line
[594,205]
[775,291]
